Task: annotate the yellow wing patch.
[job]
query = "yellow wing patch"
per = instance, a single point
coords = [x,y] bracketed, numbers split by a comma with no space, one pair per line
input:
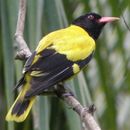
[76,68]
[38,73]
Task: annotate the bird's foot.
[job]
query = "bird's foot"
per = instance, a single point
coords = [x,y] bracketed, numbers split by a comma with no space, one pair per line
[62,91]
[91,109]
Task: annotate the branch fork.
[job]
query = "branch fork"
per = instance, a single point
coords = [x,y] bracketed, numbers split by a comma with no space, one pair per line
[23,51]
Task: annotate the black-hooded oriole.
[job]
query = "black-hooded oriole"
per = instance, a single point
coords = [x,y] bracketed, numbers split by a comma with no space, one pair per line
[58,56]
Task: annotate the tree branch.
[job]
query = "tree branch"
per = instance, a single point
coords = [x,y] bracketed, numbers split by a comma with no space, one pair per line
[86,114]
[24,53]
[23,50]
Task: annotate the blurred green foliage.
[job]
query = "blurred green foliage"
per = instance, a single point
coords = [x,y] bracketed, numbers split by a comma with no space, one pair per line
[105,82]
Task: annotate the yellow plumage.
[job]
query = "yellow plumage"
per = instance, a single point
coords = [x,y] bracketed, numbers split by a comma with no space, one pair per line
[74,42]
[76,68]
[13,117]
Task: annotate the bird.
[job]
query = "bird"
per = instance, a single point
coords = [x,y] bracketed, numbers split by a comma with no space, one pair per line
[60,55]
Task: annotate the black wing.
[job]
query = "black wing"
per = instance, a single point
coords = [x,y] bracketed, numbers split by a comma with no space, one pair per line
[50,69]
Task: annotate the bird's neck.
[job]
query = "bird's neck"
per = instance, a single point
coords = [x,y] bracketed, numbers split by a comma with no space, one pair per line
[94,33]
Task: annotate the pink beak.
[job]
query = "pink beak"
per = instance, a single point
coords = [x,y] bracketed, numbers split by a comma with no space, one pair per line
[107,19]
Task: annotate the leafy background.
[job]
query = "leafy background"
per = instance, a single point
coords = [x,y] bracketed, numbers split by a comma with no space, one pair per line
[105,82]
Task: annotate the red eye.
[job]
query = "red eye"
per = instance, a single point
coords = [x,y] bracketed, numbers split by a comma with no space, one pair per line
[91,17]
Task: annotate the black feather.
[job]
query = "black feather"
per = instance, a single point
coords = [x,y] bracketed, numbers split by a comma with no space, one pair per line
[29,62]
[45,84]
[21,82]
[20,107]
[47,52]
[53,68]
[84,62]
[51,62]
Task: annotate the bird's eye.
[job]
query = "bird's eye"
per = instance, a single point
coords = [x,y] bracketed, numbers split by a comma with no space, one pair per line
[91,17]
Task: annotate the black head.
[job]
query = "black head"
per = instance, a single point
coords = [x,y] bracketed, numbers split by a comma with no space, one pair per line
[93,23]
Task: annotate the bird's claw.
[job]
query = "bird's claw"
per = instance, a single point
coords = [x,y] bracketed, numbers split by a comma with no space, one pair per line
[91,109]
